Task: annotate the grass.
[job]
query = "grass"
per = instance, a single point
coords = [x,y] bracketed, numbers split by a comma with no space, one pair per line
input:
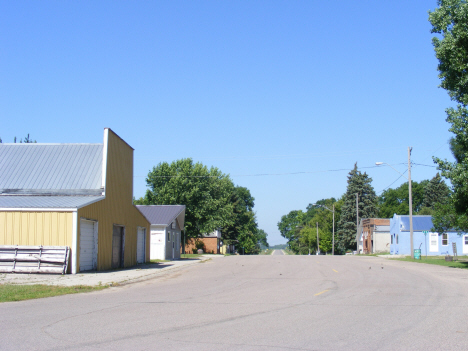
[14,292]
[438,260]
[189,256]
[158,261]
[266,252]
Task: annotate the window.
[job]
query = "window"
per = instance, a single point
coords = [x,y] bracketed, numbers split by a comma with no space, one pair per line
[173,225]
[391,239]
[168,235]
[444,239]
[397,239]
[466,239]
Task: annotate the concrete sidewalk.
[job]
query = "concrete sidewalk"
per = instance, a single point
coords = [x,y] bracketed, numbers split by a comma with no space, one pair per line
[111,277]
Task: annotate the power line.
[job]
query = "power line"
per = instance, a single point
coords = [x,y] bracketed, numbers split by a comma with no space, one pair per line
[270,174]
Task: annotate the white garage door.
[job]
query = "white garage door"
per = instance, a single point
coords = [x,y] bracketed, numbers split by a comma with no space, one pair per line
[141,245]
[88,245]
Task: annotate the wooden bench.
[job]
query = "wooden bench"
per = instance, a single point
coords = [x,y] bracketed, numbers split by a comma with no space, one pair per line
[34,259]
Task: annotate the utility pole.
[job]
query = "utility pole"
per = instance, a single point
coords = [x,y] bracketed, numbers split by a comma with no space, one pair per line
[333,244]
[410,202]
[318,249]
[357,222]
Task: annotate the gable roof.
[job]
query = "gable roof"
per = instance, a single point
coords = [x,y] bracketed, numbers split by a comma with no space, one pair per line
[163,214]
[51,169]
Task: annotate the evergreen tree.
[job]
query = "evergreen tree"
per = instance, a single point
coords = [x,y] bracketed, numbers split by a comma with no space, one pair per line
[359,183]
[436,192]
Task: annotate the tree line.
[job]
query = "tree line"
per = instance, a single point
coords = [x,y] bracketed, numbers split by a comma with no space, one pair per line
[300,227]
[447,205]
[212,202]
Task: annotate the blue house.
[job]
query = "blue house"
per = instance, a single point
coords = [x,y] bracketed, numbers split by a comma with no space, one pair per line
[430,243]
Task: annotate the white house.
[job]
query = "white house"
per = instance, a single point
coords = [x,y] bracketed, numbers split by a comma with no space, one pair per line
[166,224]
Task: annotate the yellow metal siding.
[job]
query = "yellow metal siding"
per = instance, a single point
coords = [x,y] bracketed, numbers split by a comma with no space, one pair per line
[117,207]
[36,228]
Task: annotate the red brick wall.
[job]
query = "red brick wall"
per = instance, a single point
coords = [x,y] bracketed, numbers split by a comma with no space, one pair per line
[211,245]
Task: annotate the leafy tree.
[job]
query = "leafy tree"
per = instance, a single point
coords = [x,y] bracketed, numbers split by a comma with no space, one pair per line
[359,183]
[318,213]
[243,231]
[288,227]
[206,193]
[313,209]
[450,21]
[262,238]
[243,217]
[393,201]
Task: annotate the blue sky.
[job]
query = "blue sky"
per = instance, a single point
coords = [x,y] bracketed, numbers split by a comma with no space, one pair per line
[259,89]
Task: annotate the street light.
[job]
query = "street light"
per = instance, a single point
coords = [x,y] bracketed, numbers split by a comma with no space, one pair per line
[410,195]
[333,211]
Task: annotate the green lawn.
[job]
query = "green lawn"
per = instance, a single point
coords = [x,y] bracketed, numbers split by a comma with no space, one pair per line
[14,292]
[266,252]
[438,260]
[190,256]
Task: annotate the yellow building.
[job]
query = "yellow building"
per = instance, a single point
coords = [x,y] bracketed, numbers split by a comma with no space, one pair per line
[75,195]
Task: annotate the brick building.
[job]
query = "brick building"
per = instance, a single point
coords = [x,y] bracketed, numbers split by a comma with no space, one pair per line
[211,243]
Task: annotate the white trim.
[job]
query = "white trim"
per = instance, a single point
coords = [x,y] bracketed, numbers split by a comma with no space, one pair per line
[104,160]
[74,241]
[37,209]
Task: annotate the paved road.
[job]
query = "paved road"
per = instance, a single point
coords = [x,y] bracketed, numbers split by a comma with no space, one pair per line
[256,303]
[278,252]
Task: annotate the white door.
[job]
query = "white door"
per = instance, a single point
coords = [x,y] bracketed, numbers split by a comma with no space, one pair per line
[433,242]
[465,244]
[157,248]
[173,245]
[88,245]
[141,240]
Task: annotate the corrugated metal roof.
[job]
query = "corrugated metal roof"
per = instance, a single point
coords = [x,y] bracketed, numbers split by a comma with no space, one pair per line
[18,201]
[420,223]
[32,168]
[161,214]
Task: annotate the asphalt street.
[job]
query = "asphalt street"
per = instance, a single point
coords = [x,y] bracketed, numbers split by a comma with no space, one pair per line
[278,252]
[256,303]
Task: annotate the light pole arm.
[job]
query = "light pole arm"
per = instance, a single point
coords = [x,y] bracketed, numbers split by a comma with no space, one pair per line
[325,207]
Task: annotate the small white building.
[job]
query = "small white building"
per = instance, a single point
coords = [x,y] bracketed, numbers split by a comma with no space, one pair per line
[167,222]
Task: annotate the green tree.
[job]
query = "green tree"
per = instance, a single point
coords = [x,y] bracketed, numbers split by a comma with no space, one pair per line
[450,21]
[243,216]
[262,237]
[289,228]
[206,193]
[436,191]
[321,212]
[396,201]
[358,183]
